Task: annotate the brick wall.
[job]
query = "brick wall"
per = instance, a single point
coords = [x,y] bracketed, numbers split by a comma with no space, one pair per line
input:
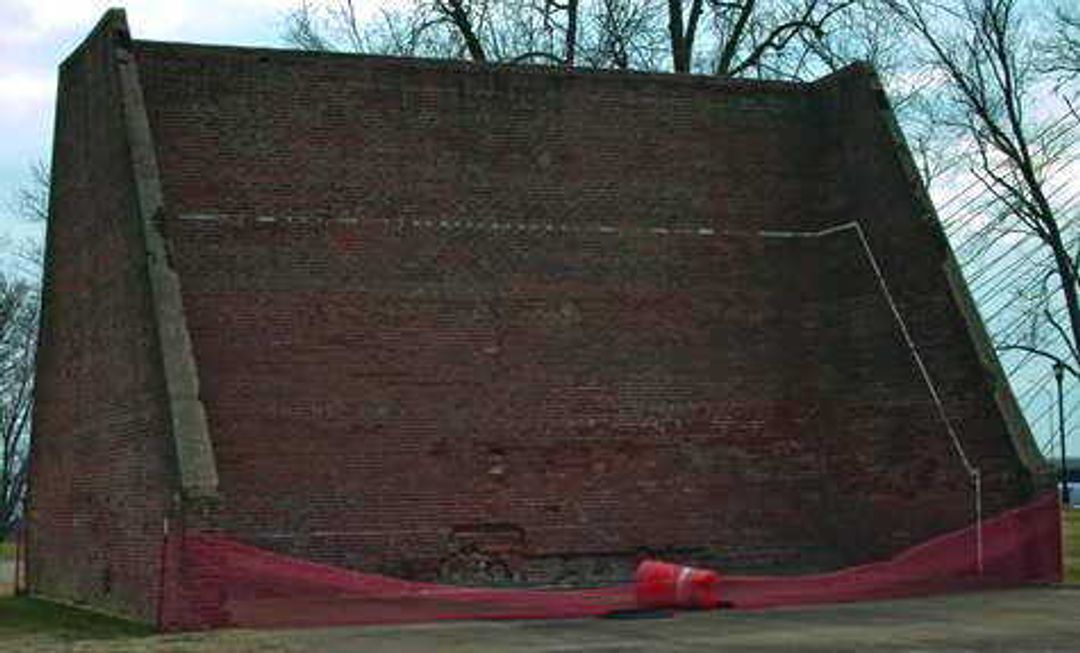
[100,476]
[873,180]
[479,324]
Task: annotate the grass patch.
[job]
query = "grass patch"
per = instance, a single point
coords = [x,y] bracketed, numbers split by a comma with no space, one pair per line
[7,550]
[27,616]
[1071,523]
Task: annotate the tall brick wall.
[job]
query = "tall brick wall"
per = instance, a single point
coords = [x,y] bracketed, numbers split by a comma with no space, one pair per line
[487,324]
[100,473]
[482,323]
[483,380]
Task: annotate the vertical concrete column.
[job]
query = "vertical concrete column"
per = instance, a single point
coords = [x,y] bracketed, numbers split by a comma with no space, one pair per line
[191,436]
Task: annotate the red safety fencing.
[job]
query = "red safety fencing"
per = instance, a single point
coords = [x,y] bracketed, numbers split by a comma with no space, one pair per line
[221,582]
[1020,546]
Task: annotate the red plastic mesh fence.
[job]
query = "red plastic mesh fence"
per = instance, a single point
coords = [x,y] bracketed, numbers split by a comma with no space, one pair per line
[221,582]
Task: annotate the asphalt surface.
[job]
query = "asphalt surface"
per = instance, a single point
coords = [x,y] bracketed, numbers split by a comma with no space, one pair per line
[1026,620]
[1041,619]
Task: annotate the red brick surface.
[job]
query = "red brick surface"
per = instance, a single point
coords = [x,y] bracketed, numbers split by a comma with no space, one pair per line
[438,309]
[489,324]
[100,475]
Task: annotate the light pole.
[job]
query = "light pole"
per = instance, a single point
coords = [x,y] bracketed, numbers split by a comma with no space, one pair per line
[1059,373]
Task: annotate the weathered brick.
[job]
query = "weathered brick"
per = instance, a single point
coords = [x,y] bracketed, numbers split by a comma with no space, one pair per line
[464,322]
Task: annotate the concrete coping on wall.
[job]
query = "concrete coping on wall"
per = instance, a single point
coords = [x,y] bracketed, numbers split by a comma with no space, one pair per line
[193,448]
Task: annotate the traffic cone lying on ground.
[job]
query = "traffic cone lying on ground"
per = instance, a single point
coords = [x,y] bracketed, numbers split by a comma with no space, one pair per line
[664,585]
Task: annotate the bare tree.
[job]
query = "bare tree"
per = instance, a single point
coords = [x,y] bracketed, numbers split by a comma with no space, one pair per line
[18,341]
[778,39]
[728,39]
[468,19]
[32,199]
[302,28]
[988,88]
[539,30]
[1062,56]
[19,306]
[683,31]
[625,34]
[418,28]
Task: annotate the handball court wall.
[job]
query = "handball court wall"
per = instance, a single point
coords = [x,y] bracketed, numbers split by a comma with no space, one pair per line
[488,325]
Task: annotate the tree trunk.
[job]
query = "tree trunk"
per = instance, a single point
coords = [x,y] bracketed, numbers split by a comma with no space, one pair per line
[460,18]
[1068,285]
[571,32]
[680,62]
[682,37]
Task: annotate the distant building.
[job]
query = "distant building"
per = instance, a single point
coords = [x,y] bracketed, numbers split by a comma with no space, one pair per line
[492,324]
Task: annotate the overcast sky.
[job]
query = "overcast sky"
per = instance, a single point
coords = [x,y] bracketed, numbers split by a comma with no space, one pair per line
[38,34]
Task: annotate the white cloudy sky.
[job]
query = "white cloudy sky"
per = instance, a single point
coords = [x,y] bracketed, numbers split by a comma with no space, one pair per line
[38,34]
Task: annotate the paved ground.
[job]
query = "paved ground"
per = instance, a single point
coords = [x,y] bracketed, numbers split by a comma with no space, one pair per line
[1024,620]
[1036,619]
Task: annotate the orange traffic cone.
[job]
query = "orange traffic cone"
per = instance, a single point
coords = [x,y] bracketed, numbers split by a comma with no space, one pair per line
[664,585]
